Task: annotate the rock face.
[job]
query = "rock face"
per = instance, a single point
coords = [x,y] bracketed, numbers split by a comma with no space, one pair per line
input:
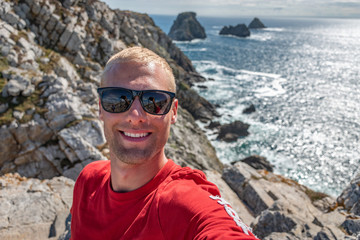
[256,23]
[34,209]
[186,28]
[239,30]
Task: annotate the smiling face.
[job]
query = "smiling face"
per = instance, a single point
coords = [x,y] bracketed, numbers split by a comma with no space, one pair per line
[135,136]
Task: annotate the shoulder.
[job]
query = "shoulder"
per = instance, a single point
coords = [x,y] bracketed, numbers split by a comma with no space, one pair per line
[93,172]
[185,180]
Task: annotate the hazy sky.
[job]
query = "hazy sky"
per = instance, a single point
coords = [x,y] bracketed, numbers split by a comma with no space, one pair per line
[243,8]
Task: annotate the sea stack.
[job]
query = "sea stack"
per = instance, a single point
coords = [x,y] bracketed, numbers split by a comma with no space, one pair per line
[256,23]
[186,28]
[239,30]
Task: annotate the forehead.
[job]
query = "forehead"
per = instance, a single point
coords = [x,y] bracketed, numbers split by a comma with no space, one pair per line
[137,76]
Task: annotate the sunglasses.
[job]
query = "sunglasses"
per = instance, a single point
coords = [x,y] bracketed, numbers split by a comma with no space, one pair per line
[118,100]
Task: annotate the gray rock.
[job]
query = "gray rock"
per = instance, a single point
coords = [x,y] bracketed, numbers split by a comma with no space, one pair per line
[13,88]
[273,221]
[351,226]
[51,24]
[239,30]
[232,131]
[282,236]
[229,195]
[249,109]
[83,138]
[11,18]
[65,69]
[30,207]
[9,150]
[181,148]
[55,85]
[350,197]
[65,36]
[258,162]
[76,39]
[18,115]
[186,28]
[4,107]
[80,59]
[256,23]
[64,108]
[239,179]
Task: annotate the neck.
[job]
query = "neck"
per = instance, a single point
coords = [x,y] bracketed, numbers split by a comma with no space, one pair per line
[128,177]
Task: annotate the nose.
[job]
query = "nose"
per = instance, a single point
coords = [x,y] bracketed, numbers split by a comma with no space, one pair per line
[136,113]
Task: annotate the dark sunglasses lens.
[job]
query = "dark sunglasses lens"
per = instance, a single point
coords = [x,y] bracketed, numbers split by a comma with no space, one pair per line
[156,102]
[116,100]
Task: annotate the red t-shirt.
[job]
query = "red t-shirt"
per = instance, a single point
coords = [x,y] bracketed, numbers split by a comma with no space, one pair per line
[178,203]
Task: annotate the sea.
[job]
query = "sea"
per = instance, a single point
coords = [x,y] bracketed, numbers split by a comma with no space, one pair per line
[303,77]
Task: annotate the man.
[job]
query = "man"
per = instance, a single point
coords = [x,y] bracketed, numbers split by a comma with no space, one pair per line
[139,193]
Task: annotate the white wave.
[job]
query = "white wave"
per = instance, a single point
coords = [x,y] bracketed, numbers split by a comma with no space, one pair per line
[274,29]
[212,69]
[217,27]
[195,49]
[260,37]
[194,41]
[272,89]
[269,75]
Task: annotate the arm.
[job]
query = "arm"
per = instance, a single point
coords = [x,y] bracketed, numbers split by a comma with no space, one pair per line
[189,210]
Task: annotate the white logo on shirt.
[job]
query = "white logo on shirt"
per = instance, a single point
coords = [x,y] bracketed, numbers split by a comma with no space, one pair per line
[232,214]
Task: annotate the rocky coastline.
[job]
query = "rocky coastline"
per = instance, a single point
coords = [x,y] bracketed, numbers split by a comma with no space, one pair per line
[52,53]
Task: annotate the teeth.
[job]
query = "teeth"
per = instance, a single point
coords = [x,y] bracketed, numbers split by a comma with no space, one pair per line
[136,135]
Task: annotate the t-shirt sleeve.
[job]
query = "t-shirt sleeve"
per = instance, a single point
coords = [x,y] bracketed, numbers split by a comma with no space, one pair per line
[191,209]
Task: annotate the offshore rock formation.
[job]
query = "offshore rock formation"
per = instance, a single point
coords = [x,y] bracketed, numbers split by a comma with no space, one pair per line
[51,56]
[256,23]
[186,28]
[239,30]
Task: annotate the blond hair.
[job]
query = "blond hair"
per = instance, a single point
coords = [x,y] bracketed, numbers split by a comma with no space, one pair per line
[139,55]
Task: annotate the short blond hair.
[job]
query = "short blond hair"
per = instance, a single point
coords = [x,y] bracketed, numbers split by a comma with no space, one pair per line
[139,55]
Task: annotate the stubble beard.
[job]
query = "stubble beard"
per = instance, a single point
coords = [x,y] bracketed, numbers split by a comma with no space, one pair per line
[131,155]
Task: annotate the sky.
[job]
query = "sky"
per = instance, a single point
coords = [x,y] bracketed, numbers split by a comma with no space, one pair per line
[244,8]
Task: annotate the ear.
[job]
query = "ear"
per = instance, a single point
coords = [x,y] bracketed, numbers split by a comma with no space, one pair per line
[174,111]
[100,111]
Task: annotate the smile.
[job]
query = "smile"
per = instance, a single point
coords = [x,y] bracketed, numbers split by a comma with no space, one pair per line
[136,135]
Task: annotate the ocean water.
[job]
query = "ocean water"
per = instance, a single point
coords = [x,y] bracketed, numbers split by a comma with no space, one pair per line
[303,77]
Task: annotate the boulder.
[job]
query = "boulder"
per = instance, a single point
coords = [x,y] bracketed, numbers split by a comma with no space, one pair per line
[350,197]
[239,30]
[186,28]
[351,226]
[232,131]
[256,23]
[258,162]
[249,109]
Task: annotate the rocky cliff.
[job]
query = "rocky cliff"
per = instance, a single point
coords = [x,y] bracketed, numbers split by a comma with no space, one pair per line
[52,53]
